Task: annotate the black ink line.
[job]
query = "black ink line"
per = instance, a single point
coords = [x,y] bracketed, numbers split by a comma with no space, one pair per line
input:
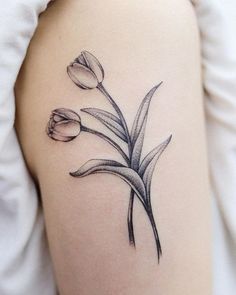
[119,113]
[107,139]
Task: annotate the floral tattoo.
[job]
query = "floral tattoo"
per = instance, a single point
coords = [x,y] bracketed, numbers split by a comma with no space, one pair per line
[65,125]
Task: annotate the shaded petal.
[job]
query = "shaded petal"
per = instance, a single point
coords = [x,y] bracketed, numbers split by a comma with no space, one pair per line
[93,63]
[64,113]
[67,128]
[80,59]
[82,76]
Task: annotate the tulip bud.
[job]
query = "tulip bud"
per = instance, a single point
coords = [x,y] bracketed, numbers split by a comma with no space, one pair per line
[86,71]
[64,125]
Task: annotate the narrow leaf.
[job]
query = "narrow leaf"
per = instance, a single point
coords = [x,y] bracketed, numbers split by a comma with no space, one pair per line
[149,162]
[109,120]
[142,113]
[139,126]
[137,148]
[113,167]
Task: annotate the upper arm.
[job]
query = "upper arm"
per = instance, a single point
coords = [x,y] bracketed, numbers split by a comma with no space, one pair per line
[86,218]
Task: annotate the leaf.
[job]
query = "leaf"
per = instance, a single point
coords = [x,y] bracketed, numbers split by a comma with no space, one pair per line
[149,162]
[139,125]
[113,167]
[109,120]
[142,113]
[137,148]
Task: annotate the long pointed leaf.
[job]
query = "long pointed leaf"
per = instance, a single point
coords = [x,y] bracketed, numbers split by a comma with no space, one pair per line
[137,148]
[113,167]
[139,126]
[149,162]
[142,113]
[109,120]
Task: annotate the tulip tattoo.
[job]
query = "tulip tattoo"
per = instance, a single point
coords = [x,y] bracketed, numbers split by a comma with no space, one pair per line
[136,170]
[64,125]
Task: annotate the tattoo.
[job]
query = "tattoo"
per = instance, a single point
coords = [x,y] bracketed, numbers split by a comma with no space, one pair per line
[65,125]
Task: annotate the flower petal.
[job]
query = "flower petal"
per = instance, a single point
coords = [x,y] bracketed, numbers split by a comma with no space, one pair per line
[80,59]
[93,63]
[82,76]
[65,114]
[67,128]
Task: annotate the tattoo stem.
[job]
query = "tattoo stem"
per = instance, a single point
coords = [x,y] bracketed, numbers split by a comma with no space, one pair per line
[107,139]
[148,208]
[155,232]
[102,89]
[130,219]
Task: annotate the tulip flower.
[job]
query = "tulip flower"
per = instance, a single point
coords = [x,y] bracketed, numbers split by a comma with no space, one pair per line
[64,125]
[86,71]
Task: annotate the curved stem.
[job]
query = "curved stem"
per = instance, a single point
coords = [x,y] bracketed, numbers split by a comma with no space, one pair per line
[109,140]
[101,88]
[155,232]
[124,125]
[148,209]
[130,219]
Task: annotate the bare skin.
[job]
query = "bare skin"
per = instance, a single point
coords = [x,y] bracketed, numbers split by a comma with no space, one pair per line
[139,45]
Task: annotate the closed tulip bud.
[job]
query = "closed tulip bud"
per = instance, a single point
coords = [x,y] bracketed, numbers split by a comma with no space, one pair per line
[64,125]
[86,71]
